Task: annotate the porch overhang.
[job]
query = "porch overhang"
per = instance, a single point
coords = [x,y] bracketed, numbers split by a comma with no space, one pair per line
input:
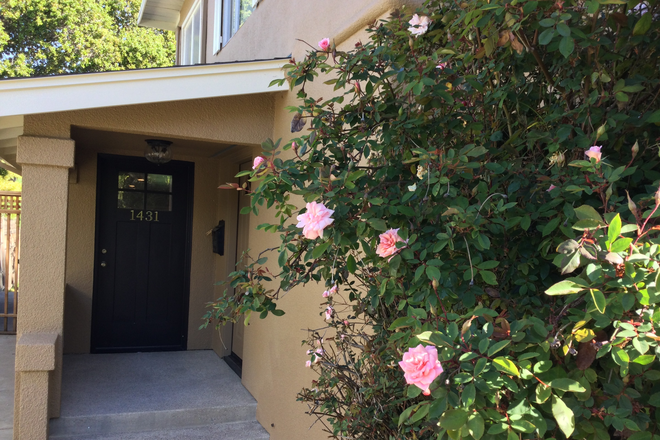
[160,14]
[27,96]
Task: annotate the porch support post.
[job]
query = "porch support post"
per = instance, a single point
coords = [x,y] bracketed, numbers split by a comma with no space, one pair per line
[45,164]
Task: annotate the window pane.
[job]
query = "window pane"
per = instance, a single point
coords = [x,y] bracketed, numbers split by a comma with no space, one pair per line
[130,200]
[159,202]
[131,180]
[247,6]
[196,36]
[159,182]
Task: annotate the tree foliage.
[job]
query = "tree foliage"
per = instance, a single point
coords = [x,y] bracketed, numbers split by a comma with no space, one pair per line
[531,266]
[48,37]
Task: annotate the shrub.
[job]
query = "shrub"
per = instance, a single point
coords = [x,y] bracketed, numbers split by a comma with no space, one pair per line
[525,254]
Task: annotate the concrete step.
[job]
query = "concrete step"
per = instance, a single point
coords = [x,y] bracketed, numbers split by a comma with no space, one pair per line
[224,431]
[134,422]
[151,395]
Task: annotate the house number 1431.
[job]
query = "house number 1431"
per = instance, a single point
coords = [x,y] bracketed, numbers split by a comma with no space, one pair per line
[147,216]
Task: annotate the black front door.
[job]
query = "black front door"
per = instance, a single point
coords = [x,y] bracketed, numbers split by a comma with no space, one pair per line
[142,260]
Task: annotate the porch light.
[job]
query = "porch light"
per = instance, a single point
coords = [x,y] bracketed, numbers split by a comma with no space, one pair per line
[158,151]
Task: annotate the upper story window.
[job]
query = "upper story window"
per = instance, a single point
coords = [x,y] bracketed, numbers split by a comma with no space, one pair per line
[229,17]
[191,36]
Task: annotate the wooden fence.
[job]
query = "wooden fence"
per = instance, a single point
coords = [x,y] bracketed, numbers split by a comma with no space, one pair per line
[10,224]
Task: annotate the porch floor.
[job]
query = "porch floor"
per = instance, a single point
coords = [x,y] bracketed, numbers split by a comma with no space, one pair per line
[7,359]
[112,395]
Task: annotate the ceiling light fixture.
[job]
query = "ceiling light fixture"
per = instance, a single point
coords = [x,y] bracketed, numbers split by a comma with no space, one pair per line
[158,151]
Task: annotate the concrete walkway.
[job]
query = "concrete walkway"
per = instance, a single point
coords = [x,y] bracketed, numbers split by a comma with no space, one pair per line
[7,357]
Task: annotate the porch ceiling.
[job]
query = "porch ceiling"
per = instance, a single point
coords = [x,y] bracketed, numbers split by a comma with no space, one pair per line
[27,96]
[109,141]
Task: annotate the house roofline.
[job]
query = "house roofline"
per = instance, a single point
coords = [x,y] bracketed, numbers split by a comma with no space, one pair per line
[48,94]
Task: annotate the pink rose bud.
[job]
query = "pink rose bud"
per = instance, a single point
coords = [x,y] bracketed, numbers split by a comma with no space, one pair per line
[315,220]
[421,366]
[441,66]
[328,313]
[324,44]
[257,162]
[594,152]
[308,364]
[550,188]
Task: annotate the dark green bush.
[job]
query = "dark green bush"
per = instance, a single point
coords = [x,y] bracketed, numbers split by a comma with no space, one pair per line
[529,265]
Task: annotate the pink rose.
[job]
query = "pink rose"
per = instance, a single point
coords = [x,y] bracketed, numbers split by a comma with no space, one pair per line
[421,366]
[308,364]
[419,25]
[328,313]
[550,188]
[594,152]
[441,66]
[315,220]
[387,246]
[257,162]
[324,44]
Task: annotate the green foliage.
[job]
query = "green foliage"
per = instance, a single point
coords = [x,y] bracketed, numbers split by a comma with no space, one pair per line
[540,299]
[44,37]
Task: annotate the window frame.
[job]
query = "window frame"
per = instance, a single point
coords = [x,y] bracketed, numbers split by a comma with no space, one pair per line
[187,52]
[224,32]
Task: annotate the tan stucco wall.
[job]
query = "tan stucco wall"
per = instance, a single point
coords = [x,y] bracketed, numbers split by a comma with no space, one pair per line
[245,119]
[275,26]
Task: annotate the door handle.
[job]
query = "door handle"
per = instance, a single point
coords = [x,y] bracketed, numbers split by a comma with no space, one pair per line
[102,263]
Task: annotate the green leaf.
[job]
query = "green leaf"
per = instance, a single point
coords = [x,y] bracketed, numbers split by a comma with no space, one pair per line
[620,356]
[566,384]
[643,25]
[565,287]
[546,36]
[581,225]
[498,346]
[405,321]
[621,97]
[523,425]
[506,366]
[654,400]
[551,226]
[378,224]
[599,299]
[563,415]
[543,393]
[433,272]
[475,425]
[644,359]
[488,277]
[468,395]
[320,249]
[563,30]
[479,366]
[351,264]
[453,419]
[566,46]
[621,244]
[585,212]
[614,230]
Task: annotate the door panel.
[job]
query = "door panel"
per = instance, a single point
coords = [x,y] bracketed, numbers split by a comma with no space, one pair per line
[142,265]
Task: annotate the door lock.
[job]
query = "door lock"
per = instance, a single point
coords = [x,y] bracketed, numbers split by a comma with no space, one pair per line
[102,263]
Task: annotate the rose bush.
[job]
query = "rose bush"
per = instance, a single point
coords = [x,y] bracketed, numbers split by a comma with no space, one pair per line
[517,190]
